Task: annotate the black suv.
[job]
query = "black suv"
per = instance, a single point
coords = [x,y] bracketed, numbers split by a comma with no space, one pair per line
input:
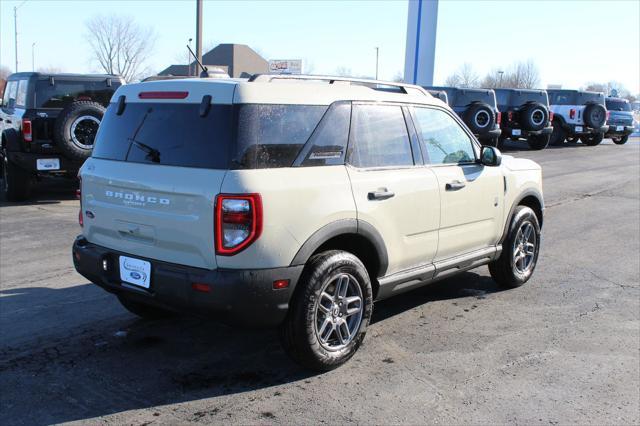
[48,123]
[477,108]
[525,114]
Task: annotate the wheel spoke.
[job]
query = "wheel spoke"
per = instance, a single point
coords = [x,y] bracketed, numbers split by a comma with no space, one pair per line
[342,287]
[325,330]
[527,232]
[343,332]
[353,300]
[530,248]
[324,309]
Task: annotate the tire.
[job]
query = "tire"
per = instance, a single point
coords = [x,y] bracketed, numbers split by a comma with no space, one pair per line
[558,135]
[621,141]
[143,310]
[592,139]
[314,311]
[534,116]
[595,115]
[16,182]
[76,127]
[507,271]
[573,139]
[479,117]
[538,142]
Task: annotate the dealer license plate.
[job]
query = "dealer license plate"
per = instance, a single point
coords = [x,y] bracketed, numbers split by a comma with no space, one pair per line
[516,132]
[619,128]
[135,271]
[48,164]
[579,128]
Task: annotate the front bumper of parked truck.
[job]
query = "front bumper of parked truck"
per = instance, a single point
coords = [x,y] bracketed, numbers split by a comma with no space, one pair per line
[251,297]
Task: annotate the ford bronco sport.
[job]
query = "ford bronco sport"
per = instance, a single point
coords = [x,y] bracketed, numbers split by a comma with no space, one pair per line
[620,120]
[525,114]
[48,123]
[577,114]
[295,201]
[477,108]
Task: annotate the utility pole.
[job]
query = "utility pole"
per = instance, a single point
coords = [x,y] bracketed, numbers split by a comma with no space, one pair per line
[33,56]
[199,30]
[15,28]
[377,51]
[500,82]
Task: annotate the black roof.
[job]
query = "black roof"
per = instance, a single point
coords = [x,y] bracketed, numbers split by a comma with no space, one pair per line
[536,91]
[63,75]
[613,98]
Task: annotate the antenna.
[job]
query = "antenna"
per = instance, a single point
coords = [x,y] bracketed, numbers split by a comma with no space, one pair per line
[204,73]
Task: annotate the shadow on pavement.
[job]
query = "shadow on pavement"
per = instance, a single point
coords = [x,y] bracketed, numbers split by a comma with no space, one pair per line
[47,191]
[110,365]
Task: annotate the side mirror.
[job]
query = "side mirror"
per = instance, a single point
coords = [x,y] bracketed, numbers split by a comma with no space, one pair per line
[490,156]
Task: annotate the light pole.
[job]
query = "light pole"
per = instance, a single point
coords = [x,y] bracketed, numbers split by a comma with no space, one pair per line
[15,29]
[500,81]
[33,56]
[199,30]
[377,52]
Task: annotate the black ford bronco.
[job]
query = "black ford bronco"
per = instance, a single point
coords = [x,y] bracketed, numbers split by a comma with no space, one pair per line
[48,123]
[526,115]
[477,108]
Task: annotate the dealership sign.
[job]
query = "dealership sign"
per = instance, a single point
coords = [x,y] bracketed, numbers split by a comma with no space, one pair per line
[285,66]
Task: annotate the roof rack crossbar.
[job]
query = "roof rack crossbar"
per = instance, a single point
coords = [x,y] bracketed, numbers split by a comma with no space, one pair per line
[267,78]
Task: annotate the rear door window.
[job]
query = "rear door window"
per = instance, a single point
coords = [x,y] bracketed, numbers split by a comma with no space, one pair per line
[379,137]
[270,136]
[64,92]
[166,134]
[21,94]
[328,144]
[444,141]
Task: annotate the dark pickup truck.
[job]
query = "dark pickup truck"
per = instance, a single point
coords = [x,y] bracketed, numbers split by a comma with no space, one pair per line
[477,108]
[525,115]
[48,123]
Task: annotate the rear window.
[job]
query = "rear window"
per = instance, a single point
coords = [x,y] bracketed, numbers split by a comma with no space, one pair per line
[618,105]
[239,137]
[584,97]
[517,98]
[166,134]
[563,98]
[64,92]
[464,97]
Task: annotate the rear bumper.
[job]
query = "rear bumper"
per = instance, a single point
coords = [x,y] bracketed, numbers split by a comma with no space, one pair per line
[571,128]
[28,161]
[613,131]
[236,297]
[509,132]
[489,135]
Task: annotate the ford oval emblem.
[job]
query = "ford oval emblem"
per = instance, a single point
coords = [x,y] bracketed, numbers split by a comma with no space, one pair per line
[135,275]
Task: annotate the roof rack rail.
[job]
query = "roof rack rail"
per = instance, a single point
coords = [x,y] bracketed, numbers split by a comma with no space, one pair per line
[373,84]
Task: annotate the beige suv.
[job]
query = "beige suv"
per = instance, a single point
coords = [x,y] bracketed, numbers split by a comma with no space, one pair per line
[295,202]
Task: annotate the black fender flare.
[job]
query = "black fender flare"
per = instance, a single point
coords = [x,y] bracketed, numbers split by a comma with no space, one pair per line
[531,192]
[10,140]
[344,227]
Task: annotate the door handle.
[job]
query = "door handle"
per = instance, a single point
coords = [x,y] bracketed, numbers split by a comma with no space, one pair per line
[380,194]
[454,186]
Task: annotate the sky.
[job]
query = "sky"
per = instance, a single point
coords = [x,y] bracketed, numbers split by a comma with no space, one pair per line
[573,42]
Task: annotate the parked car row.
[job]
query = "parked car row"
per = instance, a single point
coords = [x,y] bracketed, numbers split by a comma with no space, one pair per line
[540,117]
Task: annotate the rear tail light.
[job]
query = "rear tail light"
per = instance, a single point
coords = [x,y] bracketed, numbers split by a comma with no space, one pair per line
[572,113]
[238,222]
[27,134]
[551,115]
[499,118]
[79,197]
[608,115]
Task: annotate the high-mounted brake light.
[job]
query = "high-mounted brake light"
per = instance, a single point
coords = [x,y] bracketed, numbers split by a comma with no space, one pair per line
[238,222]
[163,95]
[27,134]
[572,113]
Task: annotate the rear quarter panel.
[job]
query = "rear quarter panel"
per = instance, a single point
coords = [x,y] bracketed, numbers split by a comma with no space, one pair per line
[296,202]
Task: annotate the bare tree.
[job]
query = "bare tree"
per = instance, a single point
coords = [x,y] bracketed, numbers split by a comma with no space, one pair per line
[343,72]
[120,45]
[4,74]
[50,70]
[609,88]
[465,76]
[523,75]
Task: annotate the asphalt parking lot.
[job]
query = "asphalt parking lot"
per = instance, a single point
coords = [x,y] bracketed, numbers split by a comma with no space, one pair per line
[564,348]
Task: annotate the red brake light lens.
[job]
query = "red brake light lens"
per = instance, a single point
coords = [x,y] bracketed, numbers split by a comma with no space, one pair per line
[163,95]
[27,134]
[499,118]
[572,113]
[510,115]
[551,116]
[238,222]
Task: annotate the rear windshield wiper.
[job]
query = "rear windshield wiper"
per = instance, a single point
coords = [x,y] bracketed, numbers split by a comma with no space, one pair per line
[152,153]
